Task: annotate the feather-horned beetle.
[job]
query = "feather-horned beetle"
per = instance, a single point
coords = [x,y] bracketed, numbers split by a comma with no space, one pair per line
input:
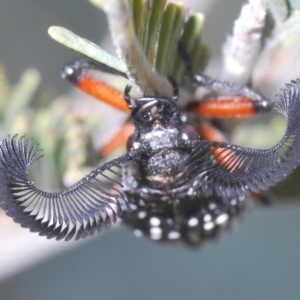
[182,180]
[164,204]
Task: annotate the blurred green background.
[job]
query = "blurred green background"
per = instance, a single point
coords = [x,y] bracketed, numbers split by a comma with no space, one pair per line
[259,260]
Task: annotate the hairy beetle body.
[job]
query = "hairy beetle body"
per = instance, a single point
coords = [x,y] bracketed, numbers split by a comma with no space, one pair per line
[182,180]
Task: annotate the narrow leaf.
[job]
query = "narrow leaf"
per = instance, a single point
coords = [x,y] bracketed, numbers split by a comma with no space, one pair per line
[89,49]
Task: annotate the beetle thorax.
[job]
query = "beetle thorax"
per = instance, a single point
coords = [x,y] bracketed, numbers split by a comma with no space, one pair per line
[163,161]
[160,134]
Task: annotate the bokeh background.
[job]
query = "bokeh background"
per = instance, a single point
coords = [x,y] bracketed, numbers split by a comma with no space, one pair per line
[257,260]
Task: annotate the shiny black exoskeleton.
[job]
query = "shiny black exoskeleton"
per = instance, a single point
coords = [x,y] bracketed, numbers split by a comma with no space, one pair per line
[163,203]
[176,186]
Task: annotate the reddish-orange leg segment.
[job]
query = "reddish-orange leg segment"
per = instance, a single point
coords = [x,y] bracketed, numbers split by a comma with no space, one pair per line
[111,96]
[77,74]
[238,107]
[102,91]
[211,133]
[118,140]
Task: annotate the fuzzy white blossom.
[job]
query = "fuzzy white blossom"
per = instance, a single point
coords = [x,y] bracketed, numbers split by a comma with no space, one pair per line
[242,48]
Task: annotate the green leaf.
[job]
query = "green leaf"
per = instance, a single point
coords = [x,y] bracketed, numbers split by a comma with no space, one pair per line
[89,49]
[22,95]
[191,39]
[164,38]
[154,26]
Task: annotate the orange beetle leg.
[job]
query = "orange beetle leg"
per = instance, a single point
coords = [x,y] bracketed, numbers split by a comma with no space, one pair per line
[118,140]
[77,74]
[224,157]
[229,108]
[103,92]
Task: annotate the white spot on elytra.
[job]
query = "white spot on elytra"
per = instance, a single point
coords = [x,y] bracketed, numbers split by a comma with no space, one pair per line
[142,214]
[192,222]
[212,206]
[154,221]
[173,235]
[208,226]
[207,218]
[155,233]
[221,219]
[137,233]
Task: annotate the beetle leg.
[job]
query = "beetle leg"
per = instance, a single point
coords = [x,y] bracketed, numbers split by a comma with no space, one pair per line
[263,197]
[201,79]
[77,73]
[118,140]
[211,133]
[234,107]
[248,103]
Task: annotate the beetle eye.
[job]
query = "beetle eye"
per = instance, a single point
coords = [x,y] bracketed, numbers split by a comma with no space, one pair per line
[129,145]
[132,143]
[189,133]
